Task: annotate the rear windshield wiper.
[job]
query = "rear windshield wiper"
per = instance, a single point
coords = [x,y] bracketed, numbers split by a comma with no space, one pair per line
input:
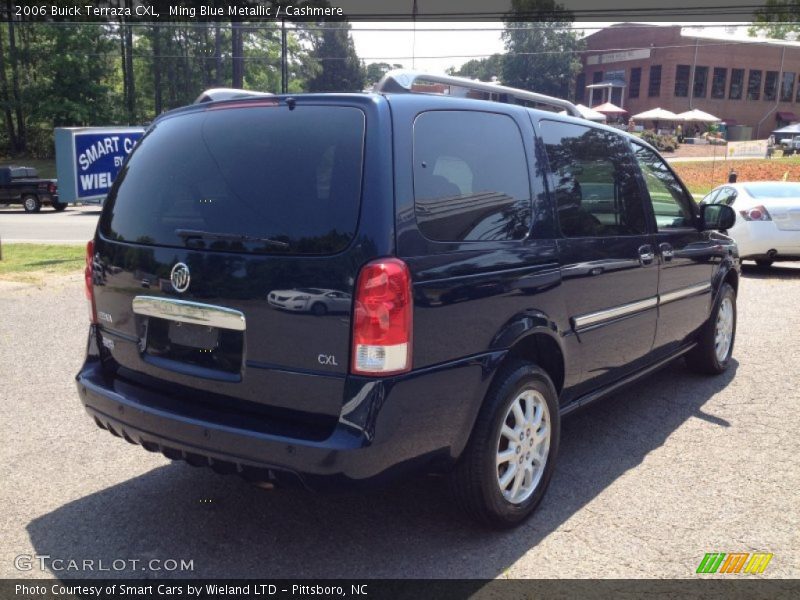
[231,237]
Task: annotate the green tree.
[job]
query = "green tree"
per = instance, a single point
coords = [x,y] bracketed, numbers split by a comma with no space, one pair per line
[541,48]
[375,71]
[340,69]
[480,68]
[778,19]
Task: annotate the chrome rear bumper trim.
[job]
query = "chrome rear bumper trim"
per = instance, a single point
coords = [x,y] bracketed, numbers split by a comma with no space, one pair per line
[189,312]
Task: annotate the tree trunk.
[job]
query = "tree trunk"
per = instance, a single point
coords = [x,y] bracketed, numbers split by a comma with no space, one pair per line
[158,103]
[123,61]
[237,47]
[131,97]
[218,56]
[22,143]
[9,118]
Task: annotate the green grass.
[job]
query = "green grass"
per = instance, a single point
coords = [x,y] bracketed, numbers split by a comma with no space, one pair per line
[31,262]
[45,166]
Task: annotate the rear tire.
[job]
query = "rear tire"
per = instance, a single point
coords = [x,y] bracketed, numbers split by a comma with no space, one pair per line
[31,203]
[58,206]
[764,263]
[501,442]
[318,309]
[712,355]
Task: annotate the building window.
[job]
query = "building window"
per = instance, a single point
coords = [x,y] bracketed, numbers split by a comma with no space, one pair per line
[597,77]
[682,81]
[737,84]
[654,85]
[771,85]
[635,82]
[700,82]
[718,83]
[754,85]
[787,87]
[580,88]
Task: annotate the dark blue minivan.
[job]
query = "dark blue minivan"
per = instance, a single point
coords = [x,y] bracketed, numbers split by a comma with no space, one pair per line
[340,288]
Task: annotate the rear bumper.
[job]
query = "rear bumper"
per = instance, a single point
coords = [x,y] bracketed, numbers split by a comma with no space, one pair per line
[389,427]
[760,239]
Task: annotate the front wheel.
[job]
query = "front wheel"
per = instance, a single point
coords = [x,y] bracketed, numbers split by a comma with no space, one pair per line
[505,469]
[31,203]
[715,342]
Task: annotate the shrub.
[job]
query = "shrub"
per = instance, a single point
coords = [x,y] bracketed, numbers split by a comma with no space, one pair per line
[662,143]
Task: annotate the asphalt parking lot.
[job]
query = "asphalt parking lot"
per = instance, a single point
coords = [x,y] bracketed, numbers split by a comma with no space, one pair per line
[75,225]
[647,482]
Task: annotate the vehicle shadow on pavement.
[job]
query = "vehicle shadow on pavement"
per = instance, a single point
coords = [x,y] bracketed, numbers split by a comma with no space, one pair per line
[231,529]
[774,272]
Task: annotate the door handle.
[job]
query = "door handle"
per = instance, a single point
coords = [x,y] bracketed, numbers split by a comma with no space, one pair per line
[666,251]
[646,255]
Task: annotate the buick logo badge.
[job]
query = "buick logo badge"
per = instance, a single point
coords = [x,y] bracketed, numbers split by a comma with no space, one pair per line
[180,277]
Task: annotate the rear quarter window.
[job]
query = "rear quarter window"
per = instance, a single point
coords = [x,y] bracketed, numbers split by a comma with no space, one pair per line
[289,176]
[470,177]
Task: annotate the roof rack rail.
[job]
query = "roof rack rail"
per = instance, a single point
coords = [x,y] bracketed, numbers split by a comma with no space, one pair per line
[214,94]
[403,81]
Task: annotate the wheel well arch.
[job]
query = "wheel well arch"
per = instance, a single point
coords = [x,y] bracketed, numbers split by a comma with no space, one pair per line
[732,278]
[543,350]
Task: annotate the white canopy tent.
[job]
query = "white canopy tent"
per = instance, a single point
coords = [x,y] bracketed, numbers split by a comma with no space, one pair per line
[698,115]
[657,114]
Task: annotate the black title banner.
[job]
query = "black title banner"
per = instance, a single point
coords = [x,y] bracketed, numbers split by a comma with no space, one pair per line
[149,11]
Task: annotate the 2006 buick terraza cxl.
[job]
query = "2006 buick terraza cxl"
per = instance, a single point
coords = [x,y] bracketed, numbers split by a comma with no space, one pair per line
[500,266]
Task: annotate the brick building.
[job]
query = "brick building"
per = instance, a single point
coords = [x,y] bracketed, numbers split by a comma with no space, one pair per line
[751,82]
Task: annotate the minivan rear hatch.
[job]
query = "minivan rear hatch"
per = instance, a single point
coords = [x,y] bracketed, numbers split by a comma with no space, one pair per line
[226,255]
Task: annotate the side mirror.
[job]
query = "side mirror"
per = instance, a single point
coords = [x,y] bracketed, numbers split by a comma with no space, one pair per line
[717,216]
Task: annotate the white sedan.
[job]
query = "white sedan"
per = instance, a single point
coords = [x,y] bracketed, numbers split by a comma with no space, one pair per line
[313,300]
[767,227]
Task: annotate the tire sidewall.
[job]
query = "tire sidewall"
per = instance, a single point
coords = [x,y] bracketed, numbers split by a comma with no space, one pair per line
[526,377]
[35,202]
[725,292]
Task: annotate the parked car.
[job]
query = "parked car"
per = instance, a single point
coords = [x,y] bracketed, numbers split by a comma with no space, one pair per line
[767,227]
[314,300]
[790,145]
[504,266]
[22,185]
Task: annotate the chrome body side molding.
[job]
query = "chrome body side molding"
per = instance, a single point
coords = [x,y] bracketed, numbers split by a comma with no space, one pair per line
[609,314]
[692,290]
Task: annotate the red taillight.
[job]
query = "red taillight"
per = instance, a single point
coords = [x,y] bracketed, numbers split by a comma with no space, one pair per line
[52,187]
[382,319]
[88,277]
[757,213]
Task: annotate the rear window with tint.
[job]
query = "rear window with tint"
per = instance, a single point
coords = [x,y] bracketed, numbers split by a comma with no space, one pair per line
[290,178]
